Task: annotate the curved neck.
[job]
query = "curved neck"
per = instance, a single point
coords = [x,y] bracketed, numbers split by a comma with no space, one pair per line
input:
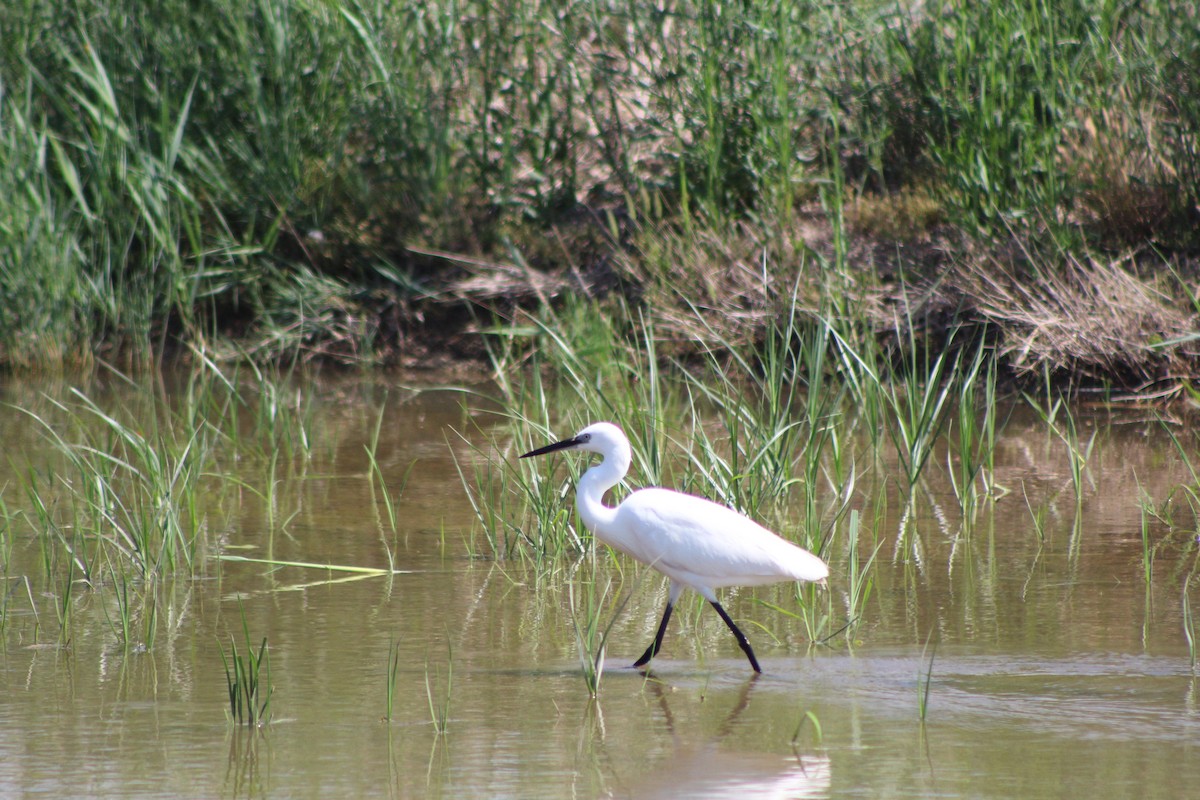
[595,482]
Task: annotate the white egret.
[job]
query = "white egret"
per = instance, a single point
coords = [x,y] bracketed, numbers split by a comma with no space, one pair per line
[696,543]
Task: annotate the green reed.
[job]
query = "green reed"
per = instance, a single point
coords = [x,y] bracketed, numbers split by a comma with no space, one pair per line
[265,415]
[113,187]
[859,573]
[129,602]
[248,679]
[858,372]
[7,590]
[1190,490]
[925,680]
[393,671]
[149,611]
[914,404]
[589,606]
[1037,516]
[815,604]
[590,640]
[1147,549]
[998,84]
[439,701]
[121,498]
[776,411]
[522,508]
[1078,453]
[973,439]
[124,622]
[523,513]
[813,607]
[376,476]
[920,401]
[798,418]
[1189,624]
[64,596]
[762,426]
[7,587]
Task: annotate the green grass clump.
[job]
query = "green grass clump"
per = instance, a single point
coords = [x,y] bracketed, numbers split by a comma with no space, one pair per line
[248,680]
[120,496]
[131,496]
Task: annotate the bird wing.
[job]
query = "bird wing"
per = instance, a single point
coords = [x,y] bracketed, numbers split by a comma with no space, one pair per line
[704,544]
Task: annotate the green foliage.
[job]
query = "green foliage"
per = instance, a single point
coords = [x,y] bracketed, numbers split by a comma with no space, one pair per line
[997,86]
[175,168]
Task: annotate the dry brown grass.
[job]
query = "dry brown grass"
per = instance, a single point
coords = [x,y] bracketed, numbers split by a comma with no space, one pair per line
[907,216]
[1124,173]
[1093,319]
[709,288]
[1090,321]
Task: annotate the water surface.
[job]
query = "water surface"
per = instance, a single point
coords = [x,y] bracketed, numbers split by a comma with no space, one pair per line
[1054,670]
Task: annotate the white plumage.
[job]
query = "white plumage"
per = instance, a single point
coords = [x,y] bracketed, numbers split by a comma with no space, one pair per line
[695,542]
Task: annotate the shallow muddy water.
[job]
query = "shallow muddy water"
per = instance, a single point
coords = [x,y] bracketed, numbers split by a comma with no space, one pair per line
[1054,668]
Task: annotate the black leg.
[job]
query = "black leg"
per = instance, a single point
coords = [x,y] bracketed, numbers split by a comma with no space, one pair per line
[741,637]
[658,637]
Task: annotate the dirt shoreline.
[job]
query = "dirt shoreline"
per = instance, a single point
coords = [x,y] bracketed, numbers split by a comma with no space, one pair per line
[1127,322]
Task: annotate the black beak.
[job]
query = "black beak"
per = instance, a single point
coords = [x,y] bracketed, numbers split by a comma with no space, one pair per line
[550,448]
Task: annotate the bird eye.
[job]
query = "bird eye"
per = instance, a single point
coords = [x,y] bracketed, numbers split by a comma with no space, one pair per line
[585,437]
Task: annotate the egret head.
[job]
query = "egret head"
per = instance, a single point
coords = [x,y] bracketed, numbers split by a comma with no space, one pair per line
[599,437]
